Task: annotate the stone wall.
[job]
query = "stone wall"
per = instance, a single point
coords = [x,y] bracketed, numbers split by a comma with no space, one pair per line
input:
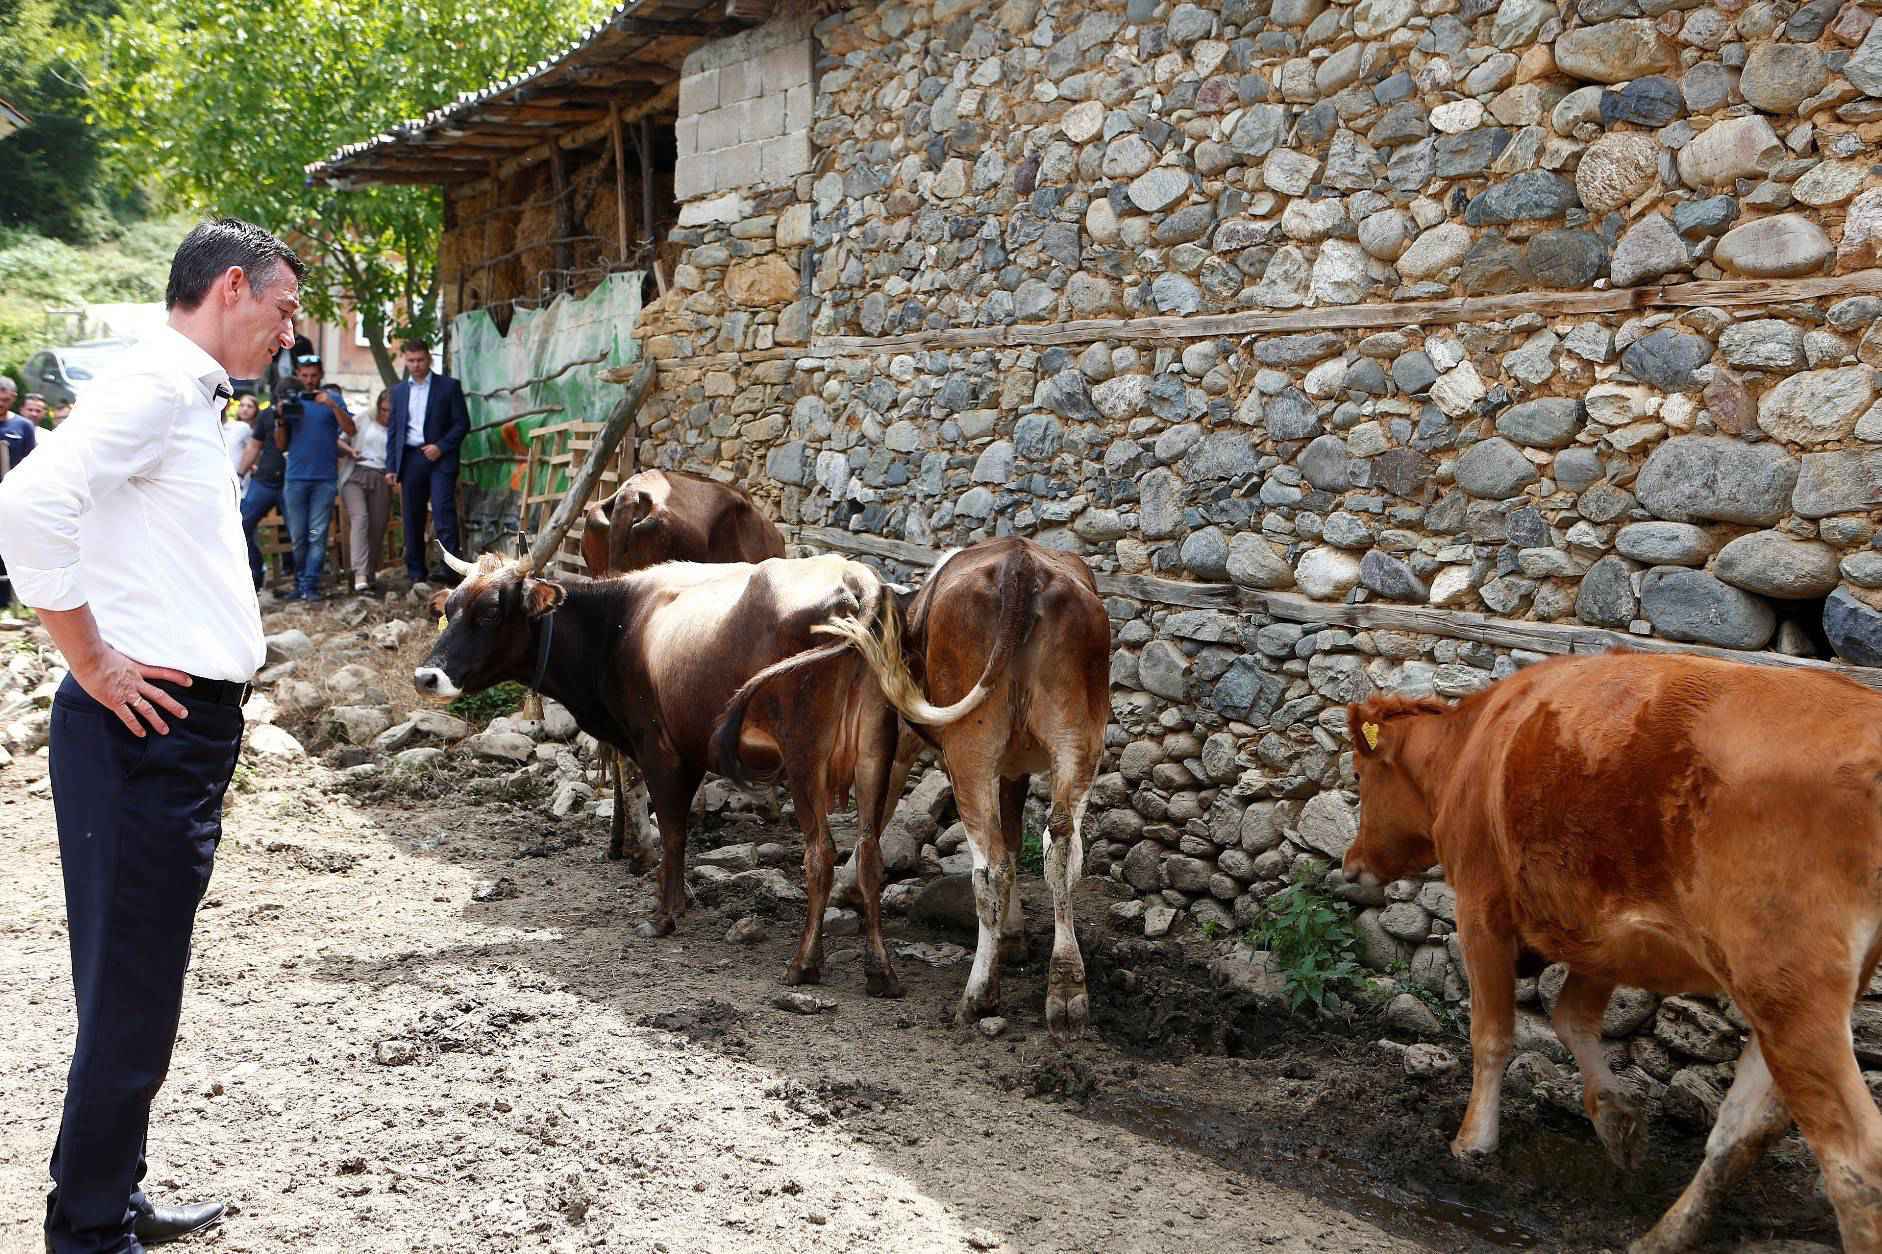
[1561,314]
[745,111]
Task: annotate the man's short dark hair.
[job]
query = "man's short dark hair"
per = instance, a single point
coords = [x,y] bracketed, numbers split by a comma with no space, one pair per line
[208,251]
[414,346]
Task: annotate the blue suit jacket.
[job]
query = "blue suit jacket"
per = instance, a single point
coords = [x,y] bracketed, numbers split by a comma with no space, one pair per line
[446,419]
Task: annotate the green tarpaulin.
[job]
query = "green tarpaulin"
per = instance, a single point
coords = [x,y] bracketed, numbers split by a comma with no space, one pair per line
[546,369]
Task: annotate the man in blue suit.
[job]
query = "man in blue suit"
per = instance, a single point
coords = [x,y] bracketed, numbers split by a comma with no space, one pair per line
[429,422]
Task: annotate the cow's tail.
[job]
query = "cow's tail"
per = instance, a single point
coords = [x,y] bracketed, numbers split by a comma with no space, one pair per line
[722,749]
[881,648]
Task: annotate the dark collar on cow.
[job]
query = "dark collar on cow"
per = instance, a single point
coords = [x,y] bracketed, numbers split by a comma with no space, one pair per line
[546,635]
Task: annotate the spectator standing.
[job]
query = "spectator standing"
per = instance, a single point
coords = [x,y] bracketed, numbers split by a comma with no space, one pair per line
[267,472]
[33,409]
[123,533]
[238,432]
[18,432]
[368,494]
[429,422]
[308,429]
[19,437]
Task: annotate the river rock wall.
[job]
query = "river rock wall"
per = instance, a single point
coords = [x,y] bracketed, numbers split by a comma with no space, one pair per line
[1557,314]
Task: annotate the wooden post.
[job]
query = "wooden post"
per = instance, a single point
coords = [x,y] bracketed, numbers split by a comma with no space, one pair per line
[620,175]
[576,500]
[564,216]
[646,201]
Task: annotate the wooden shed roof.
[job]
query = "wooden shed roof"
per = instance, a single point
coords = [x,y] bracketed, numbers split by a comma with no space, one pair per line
[635,51]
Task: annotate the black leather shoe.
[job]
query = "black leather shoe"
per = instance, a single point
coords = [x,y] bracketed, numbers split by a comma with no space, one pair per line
[164,1224]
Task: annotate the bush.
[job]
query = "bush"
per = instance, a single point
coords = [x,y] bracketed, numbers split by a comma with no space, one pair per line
[1313,943]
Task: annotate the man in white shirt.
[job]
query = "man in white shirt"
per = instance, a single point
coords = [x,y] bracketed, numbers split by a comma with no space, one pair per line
[124,532]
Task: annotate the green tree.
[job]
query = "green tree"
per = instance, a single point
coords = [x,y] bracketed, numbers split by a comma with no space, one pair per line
[56,180]
[224,102]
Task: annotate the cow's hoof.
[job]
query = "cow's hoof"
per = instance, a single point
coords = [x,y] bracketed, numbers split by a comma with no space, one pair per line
[1622,1127]
[1066,1013]
[1472,1155]
[616,851]
[795,975]
[973,1009]
[653,929]
[883,984]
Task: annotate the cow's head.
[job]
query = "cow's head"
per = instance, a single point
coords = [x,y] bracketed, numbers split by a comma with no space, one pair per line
[640,533]
[485,627]
[1394,839]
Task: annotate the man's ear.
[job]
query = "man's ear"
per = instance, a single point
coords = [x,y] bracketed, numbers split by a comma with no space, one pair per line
[540,596]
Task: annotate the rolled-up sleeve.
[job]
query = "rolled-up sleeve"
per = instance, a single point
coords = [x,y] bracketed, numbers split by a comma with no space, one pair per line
[114,434]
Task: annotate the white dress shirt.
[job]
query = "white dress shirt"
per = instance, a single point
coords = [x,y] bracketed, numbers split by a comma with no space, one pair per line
[416,401]
[131,506]
[370,443]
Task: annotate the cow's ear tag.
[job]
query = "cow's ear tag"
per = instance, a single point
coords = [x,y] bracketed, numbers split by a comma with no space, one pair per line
[443,621]
[1371,732]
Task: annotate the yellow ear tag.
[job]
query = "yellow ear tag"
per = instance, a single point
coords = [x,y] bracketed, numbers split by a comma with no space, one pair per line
[1371,732]
[442,621]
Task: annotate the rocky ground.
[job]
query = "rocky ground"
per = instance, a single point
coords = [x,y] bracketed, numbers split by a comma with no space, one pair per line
[418,1020]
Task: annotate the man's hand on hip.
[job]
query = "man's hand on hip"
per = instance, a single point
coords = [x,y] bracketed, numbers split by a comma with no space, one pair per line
[432,452]
[392,479]
[123,687]
[111,679]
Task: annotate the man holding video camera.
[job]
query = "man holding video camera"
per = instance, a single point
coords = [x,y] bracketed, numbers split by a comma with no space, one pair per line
[308,425]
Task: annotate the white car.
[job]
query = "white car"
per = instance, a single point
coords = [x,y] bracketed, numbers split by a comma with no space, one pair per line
[61,375]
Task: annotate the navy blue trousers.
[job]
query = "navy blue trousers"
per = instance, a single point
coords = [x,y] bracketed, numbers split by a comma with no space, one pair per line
[138,825]
[422,483]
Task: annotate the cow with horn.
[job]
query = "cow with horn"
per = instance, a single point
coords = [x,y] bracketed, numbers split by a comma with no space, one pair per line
[647,662]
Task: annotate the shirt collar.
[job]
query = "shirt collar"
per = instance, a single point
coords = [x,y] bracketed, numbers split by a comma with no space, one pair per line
[203,368]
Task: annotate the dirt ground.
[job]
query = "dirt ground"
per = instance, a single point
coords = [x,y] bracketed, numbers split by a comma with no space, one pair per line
[371,1060]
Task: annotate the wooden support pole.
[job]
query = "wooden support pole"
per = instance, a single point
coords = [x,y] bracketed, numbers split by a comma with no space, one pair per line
[646,201]
[620,176]
[599,456]
[564,214]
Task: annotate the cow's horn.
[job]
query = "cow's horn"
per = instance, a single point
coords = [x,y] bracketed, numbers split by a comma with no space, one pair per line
[457,564]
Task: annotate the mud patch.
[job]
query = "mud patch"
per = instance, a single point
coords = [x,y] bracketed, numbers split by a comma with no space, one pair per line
[718,1025]
[844,1099]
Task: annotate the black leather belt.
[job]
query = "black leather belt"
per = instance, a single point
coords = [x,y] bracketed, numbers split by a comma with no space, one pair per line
[214,691]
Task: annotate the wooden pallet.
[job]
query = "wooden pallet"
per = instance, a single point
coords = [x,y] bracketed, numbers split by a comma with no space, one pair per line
[557,453]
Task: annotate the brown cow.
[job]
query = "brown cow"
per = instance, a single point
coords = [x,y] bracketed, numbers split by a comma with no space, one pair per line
[666,516]
[670,516]
[1030,618]
[1673,823]
[646,663]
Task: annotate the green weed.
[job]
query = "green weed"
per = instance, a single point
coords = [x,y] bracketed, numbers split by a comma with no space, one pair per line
[1313,941]
[479,708]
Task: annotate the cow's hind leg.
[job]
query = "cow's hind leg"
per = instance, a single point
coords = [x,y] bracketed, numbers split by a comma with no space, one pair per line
[819,871]
[613,771]
[1617,1115]
[978,798]
[1013,836]
[1751,1118]
[1803,1021]
[876,781]
[1067,1004]
[1490,959]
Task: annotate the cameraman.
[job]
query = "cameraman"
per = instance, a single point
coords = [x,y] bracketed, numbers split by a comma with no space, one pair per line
[310,421]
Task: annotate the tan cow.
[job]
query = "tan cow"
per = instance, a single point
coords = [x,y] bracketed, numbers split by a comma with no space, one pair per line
[1025,622]
[1668,822]
[666,516]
